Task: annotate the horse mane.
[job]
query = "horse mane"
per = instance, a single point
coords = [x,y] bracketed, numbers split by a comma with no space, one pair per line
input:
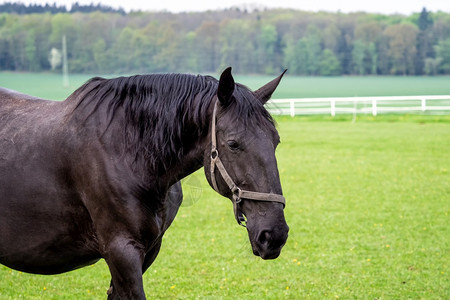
[160,110]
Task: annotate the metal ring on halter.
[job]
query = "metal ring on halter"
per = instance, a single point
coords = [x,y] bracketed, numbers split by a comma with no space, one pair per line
[214,154]
[237,192]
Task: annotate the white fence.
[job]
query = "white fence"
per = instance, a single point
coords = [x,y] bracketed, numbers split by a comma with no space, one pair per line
[356,105]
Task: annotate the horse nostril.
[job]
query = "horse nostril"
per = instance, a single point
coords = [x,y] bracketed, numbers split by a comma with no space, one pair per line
[264,237]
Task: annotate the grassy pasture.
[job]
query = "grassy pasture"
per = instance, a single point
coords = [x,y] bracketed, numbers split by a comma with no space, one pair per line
[352,86]
[49,85]
[368,207]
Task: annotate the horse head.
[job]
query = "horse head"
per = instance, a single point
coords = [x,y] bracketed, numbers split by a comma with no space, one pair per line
[241,162]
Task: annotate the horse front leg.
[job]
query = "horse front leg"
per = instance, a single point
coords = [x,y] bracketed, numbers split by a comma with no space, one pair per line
[148,260]
[151,256]
[125,259]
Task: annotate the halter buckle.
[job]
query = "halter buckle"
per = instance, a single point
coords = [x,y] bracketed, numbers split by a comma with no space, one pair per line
[237,193]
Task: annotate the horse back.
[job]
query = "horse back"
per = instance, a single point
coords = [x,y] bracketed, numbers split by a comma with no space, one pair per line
[11,95]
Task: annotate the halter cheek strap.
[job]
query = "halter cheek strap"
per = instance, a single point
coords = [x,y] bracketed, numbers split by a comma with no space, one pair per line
[238,194]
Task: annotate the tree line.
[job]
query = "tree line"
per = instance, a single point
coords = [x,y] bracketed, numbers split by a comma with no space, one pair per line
[261,41]
[21,8]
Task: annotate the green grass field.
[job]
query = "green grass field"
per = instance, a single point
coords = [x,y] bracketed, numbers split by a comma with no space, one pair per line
[368,207]
[49,85]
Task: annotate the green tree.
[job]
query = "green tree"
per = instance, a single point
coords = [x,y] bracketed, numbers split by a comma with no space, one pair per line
[303,56]
[267,42]
[313,49]
[237,46]
[331,36]
[364,53]
[296,56]
[31,52]
[345,49]
[63,24]
[100,57]
[373,58]
[6,40]
[432,65]
[364,58]
[189,61]
[402,48]
[443,55]
[358,57]
[169,49]
[424,41]
[252,42]
[329,64]
[207,46]
[123,51]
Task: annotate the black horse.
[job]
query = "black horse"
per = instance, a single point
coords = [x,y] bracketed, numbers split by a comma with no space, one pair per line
[97,176]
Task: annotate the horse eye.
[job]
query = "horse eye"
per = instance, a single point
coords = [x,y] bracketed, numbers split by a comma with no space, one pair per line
[233,145]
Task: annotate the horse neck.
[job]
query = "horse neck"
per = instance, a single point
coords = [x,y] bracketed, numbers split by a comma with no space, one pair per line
[193,152]
[165,148]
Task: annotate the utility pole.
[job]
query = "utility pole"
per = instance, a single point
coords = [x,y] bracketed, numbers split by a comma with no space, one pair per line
[65,67]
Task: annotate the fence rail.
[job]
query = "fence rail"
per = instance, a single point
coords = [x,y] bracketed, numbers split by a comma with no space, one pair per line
[357,105]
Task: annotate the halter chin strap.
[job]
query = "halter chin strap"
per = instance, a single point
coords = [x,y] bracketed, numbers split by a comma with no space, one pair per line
[238,194]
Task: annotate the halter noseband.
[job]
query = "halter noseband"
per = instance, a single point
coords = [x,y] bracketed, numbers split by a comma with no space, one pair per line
[238,194]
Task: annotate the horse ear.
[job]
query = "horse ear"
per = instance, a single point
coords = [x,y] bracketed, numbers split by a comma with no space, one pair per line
[265,92]
[226,87]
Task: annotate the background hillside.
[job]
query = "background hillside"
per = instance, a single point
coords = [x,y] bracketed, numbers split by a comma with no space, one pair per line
[105,40]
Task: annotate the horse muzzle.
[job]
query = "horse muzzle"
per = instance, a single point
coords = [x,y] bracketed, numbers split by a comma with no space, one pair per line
[268,243]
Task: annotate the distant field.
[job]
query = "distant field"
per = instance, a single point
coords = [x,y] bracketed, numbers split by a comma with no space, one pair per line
[305,87]
[44,85]
[48,85]
[368,209]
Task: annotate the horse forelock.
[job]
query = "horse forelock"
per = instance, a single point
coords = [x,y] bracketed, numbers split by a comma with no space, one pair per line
[249,109]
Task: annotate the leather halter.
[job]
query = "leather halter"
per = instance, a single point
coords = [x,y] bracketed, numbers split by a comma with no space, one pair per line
[238,194]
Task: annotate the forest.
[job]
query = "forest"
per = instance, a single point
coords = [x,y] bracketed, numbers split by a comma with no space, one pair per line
[260,41]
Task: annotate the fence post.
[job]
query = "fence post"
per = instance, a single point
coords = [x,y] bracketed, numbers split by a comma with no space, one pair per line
[333,108]
[424,104]
[292,108]
[374,107]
